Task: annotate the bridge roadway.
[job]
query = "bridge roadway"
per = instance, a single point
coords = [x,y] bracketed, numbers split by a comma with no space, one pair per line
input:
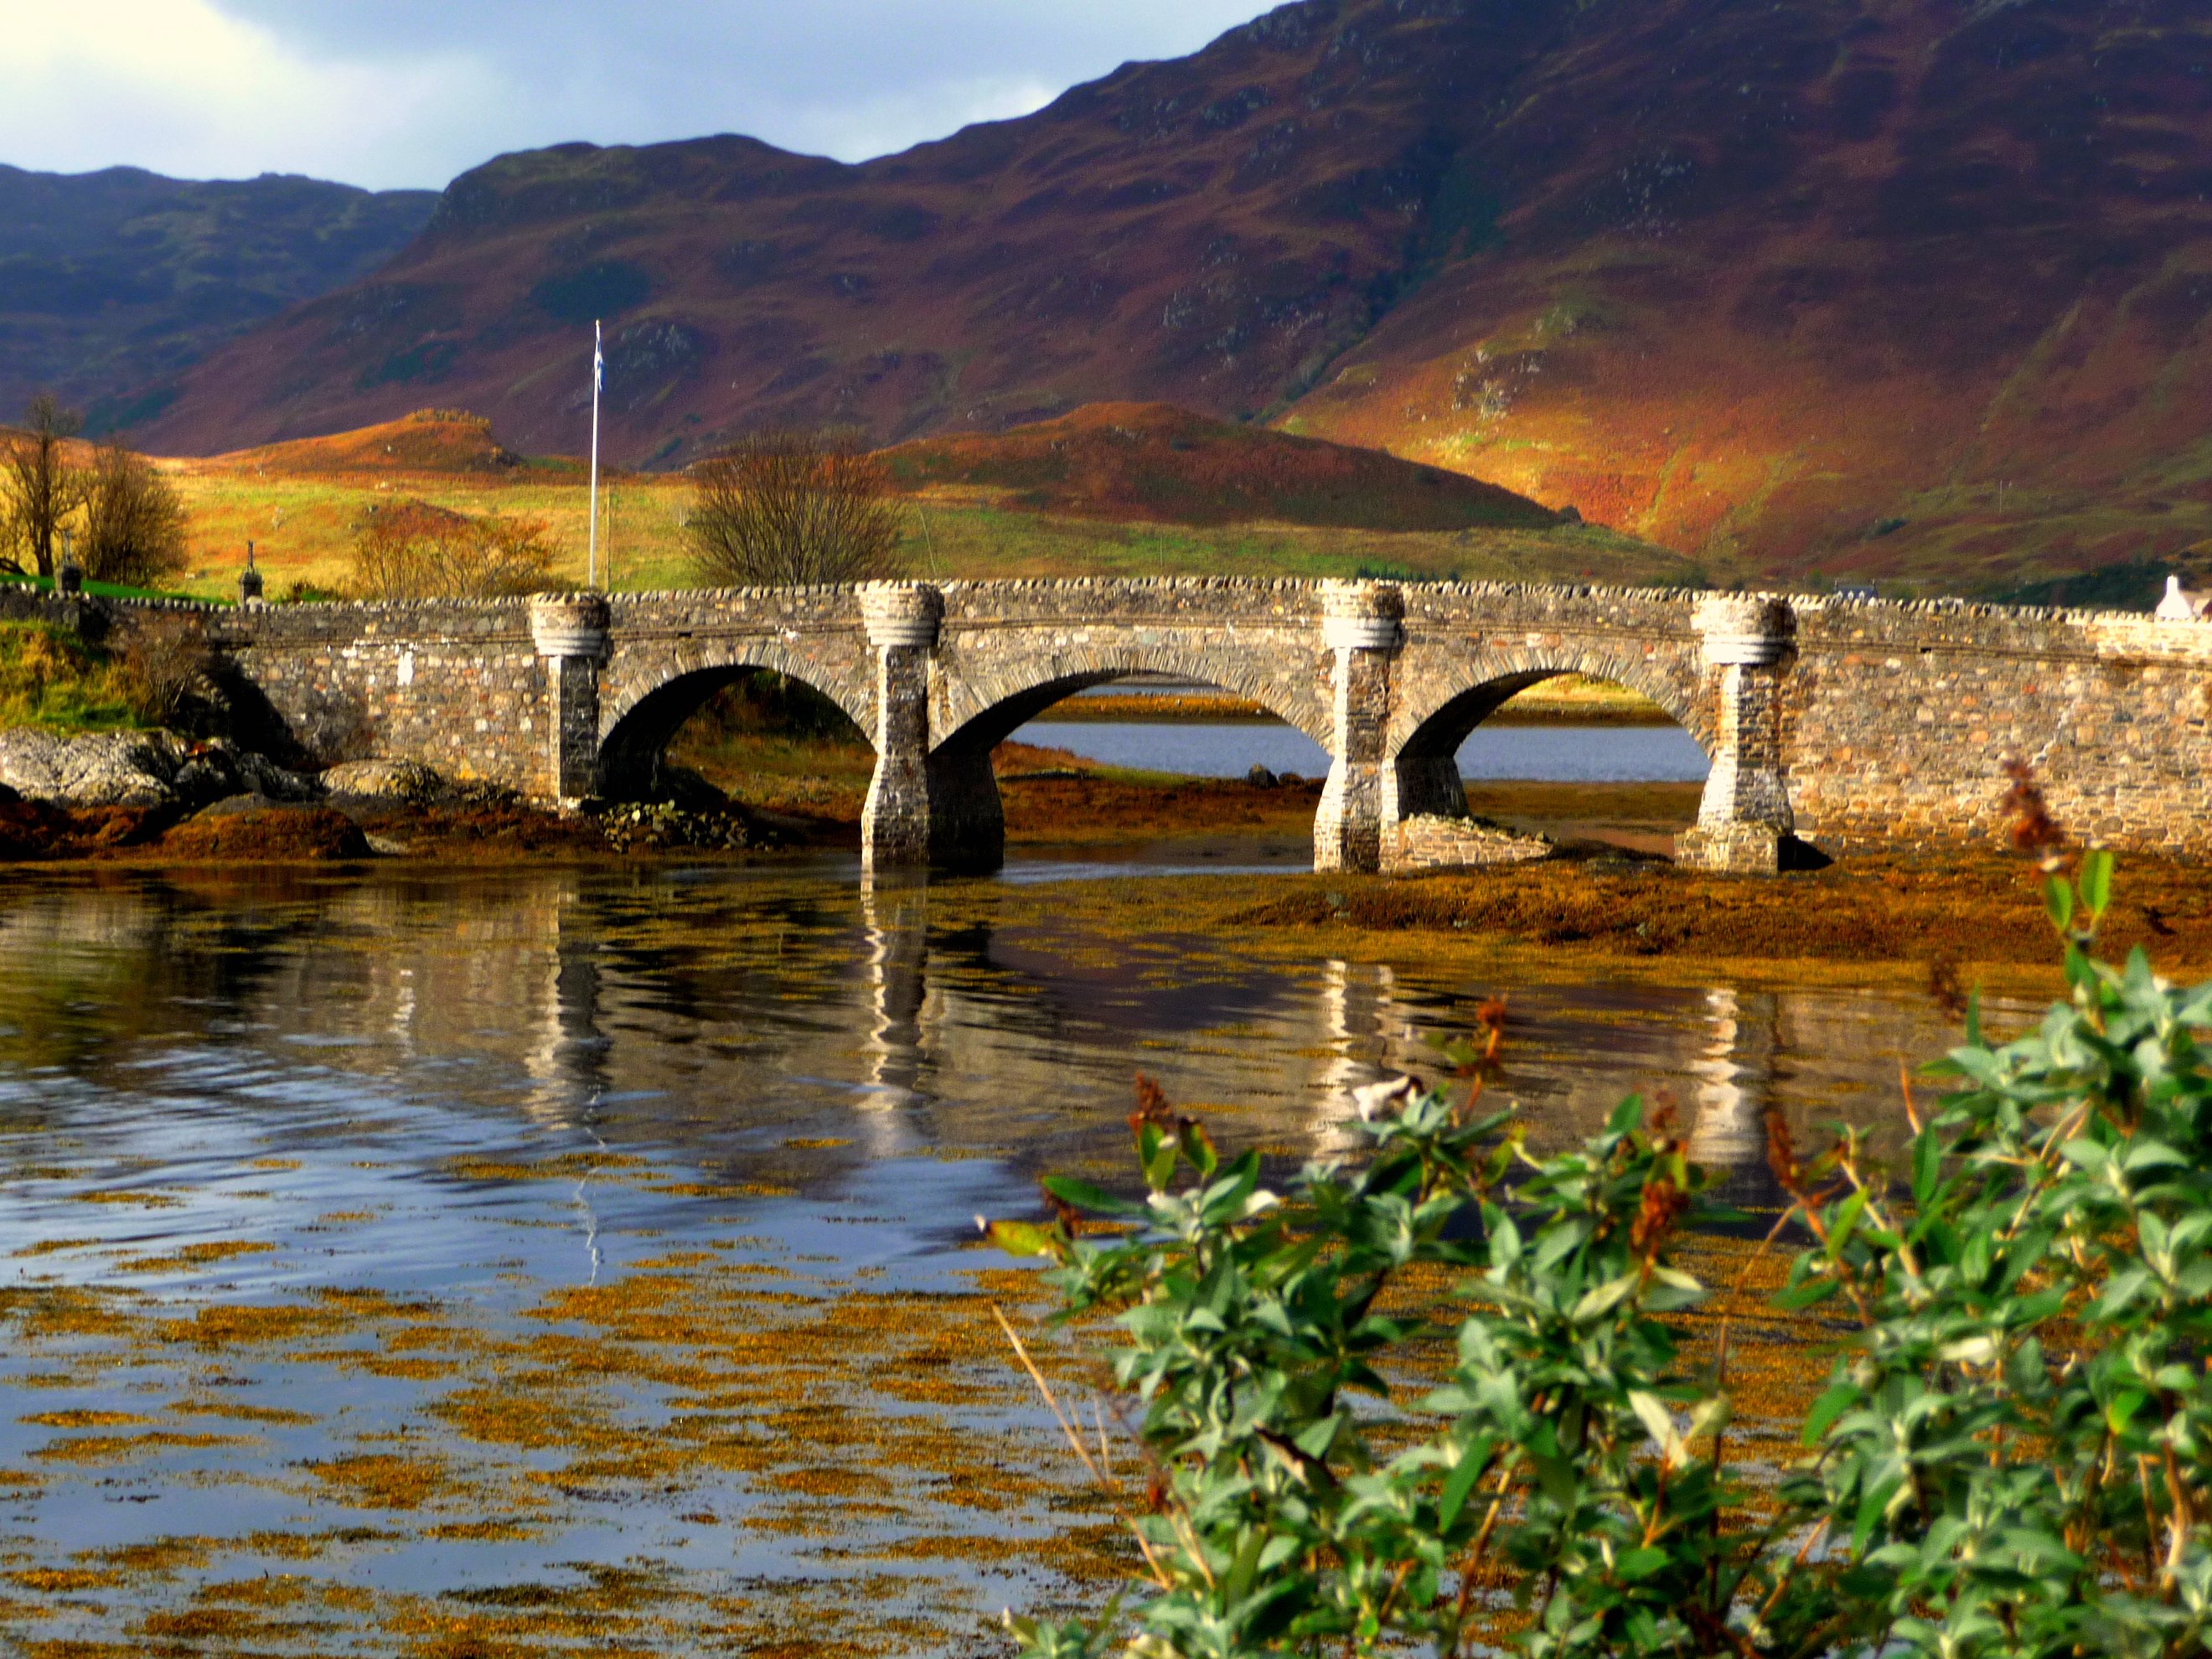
[1840,723]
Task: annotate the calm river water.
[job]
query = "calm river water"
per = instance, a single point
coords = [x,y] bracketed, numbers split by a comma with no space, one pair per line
[1555,753]
[398,1263]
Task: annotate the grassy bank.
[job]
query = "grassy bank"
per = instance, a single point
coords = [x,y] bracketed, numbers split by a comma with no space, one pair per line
[51,679]
[302,526]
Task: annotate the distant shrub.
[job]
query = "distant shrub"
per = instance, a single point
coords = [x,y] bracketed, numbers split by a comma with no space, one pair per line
[41,486]
[414,550]
[2013,1456]
[779,508]
[135,522]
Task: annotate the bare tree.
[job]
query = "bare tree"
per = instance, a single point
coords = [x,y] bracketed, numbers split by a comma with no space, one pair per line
[414,550]
[777,509]
[39,484]
[134,521]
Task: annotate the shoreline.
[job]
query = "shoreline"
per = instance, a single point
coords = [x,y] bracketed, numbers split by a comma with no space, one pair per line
[1939,920]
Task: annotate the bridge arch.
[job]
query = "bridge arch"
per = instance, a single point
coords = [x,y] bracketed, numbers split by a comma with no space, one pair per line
[652,697]
[967,819]
[1445,705]
[996,705]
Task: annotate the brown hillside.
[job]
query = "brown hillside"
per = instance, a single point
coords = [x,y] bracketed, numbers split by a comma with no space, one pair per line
[1156,462]
[431,440]
[1864,286]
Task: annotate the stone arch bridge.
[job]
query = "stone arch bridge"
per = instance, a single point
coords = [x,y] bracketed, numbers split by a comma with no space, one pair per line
[1840,723]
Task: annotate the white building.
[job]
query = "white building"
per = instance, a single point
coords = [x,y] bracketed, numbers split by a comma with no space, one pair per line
[2179,605]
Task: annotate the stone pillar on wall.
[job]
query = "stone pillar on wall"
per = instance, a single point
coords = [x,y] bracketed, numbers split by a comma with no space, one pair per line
[901,619]
[1745,818]
[570,630]
[1361,624]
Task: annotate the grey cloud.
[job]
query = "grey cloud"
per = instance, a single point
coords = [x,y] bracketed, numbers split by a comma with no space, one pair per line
[849,78]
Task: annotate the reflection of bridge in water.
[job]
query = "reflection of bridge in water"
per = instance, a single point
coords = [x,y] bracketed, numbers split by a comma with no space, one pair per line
[734,1013]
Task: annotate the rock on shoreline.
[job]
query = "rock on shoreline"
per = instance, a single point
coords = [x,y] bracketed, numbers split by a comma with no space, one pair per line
[141,770]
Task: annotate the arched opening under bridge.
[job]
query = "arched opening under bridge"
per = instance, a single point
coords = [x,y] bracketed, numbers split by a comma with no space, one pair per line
[1571,754]
[1136,752]
[758,736]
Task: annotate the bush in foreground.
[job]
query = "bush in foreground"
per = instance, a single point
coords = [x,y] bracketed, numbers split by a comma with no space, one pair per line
[2014,1455]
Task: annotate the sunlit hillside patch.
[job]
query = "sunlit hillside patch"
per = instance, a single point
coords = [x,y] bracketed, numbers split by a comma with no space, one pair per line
[1242,502]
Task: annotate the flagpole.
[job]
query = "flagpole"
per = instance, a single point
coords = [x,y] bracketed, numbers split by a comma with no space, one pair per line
[598,373]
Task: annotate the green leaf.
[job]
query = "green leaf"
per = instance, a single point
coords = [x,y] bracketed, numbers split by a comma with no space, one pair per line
[1927,1168]
[1601,1300]
[1024,1238]
[1658,1422]
[1461,1483]
[2096,881]
[2058,900]
[1626,1117]
[1316,1438]
[1847,1219]
[1558,1478]
[1812,1293]
[1158,1154]
[1071,1189]
[2123,1408]
[1197,1147]
[1840,1399]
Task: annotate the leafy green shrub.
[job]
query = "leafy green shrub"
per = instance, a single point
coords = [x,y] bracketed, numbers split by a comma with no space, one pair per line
[2014,1455]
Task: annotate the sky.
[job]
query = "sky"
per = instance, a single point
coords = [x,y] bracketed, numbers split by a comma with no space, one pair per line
[408,92]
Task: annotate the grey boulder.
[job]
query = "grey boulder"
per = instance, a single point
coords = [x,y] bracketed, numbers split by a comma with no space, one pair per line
[139,768]
[384,780]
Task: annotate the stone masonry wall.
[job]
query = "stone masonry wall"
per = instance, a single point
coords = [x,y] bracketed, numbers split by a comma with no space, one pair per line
[457,685]
[1897,720]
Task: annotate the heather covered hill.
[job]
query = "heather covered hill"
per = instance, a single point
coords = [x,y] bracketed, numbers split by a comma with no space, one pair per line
[450,442]
[1861,287]
[116,281]
[1156,463]
[1211,231]
[1919,287]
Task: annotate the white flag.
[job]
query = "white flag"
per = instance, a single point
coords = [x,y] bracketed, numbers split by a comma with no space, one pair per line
[598,362]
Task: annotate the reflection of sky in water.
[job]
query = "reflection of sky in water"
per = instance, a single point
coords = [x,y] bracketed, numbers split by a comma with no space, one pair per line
[1559,754]
[319,1068]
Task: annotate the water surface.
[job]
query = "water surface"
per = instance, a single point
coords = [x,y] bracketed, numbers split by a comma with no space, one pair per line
[1554,753]
[589,1257]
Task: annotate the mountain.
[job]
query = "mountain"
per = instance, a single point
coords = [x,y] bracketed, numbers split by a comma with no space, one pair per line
[110,280]
[1903,287]
[1155,463]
